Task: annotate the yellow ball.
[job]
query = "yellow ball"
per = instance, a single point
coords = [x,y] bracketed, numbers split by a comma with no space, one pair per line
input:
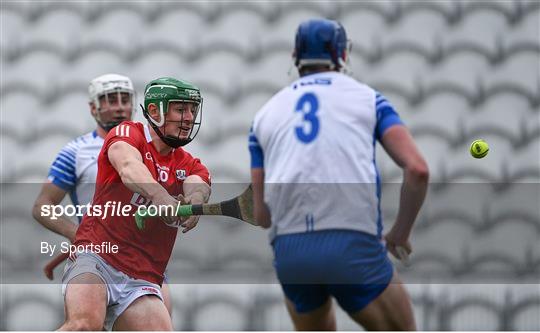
[479,149]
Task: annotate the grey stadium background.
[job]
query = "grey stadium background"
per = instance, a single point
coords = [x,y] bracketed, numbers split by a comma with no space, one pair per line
[454,70]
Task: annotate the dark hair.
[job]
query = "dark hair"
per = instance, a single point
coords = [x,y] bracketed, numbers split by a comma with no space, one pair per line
[311,69]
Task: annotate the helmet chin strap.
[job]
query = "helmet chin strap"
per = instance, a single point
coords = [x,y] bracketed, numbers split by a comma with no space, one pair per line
[289,72]
[106,126]
[172,141]
[169,140]
[110,125]
[344,66]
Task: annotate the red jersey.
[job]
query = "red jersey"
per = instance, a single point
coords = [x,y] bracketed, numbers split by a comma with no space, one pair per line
[142,254]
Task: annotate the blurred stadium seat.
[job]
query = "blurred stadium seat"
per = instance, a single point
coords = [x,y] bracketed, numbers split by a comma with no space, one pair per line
[23,299]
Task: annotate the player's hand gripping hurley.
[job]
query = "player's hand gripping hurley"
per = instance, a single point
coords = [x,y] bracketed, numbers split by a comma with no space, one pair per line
[240,207]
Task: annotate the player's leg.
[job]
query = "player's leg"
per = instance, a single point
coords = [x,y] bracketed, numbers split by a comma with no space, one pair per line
[322,318]
[146,313]
[301,277]
[139,308]
[366,286]
[85,303]
[166,292]
[390,311]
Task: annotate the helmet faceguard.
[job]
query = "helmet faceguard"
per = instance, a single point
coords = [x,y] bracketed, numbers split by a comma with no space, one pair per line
[164,91]
[321,42]
[111,89]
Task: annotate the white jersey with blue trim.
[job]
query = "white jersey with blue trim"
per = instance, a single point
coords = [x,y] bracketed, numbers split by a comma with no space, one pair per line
[75,168]
[316,140]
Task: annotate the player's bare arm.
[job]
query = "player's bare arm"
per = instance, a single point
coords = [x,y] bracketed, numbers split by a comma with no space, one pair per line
[399,144]
[196,191]
[53,195]
[127,161]
[260,210]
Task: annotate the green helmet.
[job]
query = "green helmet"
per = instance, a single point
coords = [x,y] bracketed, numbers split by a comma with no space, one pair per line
[161,92]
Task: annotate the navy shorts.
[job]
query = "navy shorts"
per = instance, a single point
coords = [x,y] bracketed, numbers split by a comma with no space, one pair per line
[351,266]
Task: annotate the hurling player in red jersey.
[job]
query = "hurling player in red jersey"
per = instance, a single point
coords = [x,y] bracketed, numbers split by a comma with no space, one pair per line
[138,165]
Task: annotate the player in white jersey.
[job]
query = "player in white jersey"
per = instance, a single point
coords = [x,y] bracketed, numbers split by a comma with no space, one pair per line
[74,171]
[316,184]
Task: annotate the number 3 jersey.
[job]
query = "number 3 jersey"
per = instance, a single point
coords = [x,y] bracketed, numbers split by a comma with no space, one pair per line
[316,140]
[142,254]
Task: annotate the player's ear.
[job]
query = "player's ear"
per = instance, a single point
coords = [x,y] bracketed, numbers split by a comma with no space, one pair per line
[153,111]
[93,110]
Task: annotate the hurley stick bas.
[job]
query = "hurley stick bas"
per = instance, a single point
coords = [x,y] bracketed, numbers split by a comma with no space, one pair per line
[240,207]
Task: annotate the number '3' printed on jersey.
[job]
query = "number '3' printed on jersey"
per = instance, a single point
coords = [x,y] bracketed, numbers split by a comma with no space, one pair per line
[308,126]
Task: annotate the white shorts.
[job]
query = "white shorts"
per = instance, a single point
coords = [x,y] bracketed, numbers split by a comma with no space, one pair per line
[122,290]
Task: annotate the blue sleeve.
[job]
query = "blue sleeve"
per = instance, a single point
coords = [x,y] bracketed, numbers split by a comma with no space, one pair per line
[255,150]
[62,171]
[386,116]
